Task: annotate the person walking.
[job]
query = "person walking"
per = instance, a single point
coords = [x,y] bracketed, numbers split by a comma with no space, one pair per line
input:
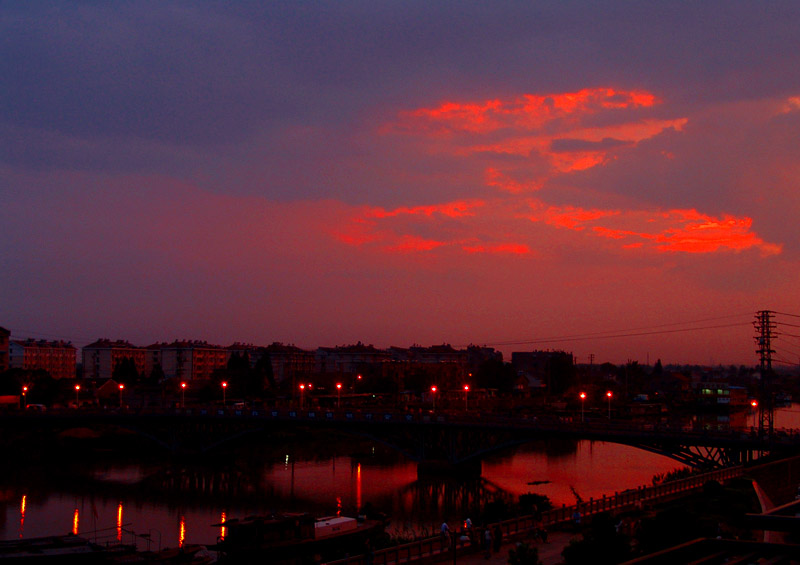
[445,535]
[487,542]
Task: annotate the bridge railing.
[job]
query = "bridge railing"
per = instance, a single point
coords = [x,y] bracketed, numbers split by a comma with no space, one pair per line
[525,525]
[595,428]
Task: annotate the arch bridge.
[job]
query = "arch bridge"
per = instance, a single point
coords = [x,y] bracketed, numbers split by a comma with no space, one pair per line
[456,440]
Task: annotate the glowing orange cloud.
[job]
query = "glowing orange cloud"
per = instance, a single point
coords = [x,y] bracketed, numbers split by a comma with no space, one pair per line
[503,248]
[410,243]
[555,128]
[449,209]
[521,144]
[686,231]
[529,111]
[496,178]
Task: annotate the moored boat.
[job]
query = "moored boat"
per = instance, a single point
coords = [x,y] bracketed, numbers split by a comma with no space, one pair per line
[294,538]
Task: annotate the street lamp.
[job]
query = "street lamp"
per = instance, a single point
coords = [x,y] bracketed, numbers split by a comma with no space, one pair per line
[121,388]
[77,390]
[338,395]
[754,404]
[466,398]
[24,392]
[609,395]
[433,394]
[183,395]
[583,397]
[224,388]
[302,388]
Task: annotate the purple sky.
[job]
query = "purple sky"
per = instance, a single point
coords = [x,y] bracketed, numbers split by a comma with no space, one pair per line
[320,173]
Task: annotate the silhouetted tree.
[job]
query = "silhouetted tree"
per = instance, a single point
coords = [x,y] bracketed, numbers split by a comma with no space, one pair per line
[496,374]
[125,371]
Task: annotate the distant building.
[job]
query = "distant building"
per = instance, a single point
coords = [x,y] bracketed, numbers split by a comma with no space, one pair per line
[4,345]
[553,369]
[349,359]
[191,360]
[55,357]
[476,355]
[289,362]
[444,353]
[102,357]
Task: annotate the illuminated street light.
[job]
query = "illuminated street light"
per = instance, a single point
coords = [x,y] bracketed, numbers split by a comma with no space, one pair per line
[77,400]
[338,395]
[433,394]
[121,388]
[466,398]
[224,388]
[754,404]
[24,392]
[583,397]
[302,388]
[609,395]
[183,395]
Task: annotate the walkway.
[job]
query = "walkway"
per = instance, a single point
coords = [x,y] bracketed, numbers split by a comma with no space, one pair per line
[430,549]
[549,553]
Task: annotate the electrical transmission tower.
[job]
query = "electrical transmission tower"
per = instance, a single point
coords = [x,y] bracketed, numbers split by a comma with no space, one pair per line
[764,332]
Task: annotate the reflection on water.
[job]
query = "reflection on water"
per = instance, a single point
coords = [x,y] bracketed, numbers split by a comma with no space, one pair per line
[178,504]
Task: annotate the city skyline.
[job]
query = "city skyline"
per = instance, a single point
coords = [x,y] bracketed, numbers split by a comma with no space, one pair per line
[393,173]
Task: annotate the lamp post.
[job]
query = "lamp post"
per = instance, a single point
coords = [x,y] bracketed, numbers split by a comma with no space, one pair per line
[433,394]
[754,404]
[609,394]
[121,388]
[338,395]
[466,398]
[583,397]
[183,395]
[24,392]
[302,388]
[224,388]
[77,391]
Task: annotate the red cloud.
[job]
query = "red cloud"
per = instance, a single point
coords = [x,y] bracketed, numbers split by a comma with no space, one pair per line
[686,231]
[552,128]
[522,143]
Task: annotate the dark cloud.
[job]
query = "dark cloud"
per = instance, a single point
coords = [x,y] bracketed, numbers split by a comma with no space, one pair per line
[569,145]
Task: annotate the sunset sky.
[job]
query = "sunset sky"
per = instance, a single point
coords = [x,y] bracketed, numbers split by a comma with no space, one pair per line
[526,175]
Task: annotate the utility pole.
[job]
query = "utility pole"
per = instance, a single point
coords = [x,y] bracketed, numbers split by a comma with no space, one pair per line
[764,332]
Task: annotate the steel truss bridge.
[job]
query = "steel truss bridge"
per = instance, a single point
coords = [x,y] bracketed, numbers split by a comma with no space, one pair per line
[459,440]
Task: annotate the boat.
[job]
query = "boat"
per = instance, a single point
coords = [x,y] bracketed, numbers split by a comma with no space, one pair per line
[295,538]
[64,549]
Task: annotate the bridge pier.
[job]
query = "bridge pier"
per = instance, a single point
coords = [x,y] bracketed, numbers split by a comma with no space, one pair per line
[441,468]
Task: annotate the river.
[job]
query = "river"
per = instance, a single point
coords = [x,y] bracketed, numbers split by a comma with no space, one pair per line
[178,503]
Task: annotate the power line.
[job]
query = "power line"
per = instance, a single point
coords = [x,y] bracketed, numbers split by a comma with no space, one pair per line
[787,314]
[581,337]
[614,333]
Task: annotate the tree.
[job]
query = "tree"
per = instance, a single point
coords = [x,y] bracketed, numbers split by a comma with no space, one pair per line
[125,371]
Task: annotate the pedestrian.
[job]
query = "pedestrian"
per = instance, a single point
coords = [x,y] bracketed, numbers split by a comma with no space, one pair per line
[498,537]
[487,542]
[576,519]
[445,535]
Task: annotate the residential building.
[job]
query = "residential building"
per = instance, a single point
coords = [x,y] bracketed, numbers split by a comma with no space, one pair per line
[349,359]
[4,345]
[553,369]
[55,357]
[289,362]
[102,357]
[191,360]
